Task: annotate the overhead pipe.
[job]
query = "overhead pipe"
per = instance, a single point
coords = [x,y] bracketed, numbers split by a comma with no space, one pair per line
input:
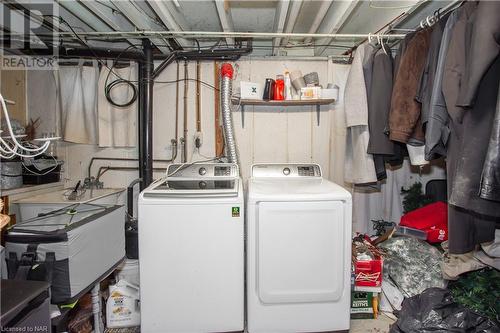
[106,53]
[227,119]
[214,34]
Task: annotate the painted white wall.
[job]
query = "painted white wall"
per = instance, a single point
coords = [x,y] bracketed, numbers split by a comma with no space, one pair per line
[271,134]
[275,134]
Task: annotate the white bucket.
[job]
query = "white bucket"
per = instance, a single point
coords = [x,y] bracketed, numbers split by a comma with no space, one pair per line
[129,272]
[122,307]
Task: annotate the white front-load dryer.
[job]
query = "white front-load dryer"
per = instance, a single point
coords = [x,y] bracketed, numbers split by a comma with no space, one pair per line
[191,250]
[298,250]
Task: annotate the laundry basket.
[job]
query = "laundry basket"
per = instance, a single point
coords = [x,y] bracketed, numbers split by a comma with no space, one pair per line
[72,248]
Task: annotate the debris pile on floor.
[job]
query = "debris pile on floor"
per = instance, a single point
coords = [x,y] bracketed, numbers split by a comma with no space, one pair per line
[407,272]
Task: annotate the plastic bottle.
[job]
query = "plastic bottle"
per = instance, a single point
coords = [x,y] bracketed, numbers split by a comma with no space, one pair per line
[288,86]
[279,88]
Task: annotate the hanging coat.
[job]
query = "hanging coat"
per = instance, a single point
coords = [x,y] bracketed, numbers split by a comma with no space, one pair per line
[359,167]
[404,117]
[368,63]
[490,177]
[437,130]
[427,78]
[471,220]
[482,55]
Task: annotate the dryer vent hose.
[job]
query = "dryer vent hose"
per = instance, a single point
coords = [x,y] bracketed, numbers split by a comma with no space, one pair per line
[227,119]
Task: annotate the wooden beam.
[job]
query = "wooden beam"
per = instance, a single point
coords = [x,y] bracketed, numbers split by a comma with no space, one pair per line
[279,22]
[141,22]
[225,18]
[320,15]
[168,19]
[292,18]
[337,22]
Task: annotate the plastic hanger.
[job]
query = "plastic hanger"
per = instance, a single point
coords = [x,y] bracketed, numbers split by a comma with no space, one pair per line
[381,42]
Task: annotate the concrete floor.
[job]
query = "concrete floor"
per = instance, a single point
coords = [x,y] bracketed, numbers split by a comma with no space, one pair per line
[379,325]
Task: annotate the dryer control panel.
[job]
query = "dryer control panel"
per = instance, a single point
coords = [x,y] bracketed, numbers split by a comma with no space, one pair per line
[203,170]
[286,170]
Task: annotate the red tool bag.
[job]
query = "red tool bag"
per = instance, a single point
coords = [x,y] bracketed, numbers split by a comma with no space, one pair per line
[432,219]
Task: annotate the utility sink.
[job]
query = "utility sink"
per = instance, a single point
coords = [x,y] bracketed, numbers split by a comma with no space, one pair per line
[42,203]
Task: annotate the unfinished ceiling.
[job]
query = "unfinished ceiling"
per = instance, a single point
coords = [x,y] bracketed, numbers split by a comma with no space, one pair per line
[93,22]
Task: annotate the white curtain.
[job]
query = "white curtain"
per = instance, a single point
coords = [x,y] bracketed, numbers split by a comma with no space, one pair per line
[78,102]
[117,125]
[48,111]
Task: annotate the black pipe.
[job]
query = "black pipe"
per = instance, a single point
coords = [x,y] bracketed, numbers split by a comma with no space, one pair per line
[146,117]
[164,64]
[89,168]
[102,170]
[130,197]
[105,53]
[140,111]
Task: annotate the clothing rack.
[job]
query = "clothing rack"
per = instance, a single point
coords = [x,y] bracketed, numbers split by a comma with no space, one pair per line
[392,25]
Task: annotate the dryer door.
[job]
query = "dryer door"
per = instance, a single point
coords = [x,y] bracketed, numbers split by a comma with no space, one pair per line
[300,249]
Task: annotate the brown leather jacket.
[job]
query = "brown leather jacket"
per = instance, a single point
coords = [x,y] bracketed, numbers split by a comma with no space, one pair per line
[404,117]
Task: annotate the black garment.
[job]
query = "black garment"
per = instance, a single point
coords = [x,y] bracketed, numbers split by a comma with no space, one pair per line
[437,129]
[379,104]
[481,57]
[475,132]
[490,178]
[424,91]
[466,147]
[368,66]
[482,50]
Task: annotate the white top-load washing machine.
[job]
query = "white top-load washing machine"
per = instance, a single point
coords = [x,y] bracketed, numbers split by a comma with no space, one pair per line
[298,250]
[191,250]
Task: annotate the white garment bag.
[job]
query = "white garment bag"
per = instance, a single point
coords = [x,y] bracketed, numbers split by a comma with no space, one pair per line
[78,101]
[117,125]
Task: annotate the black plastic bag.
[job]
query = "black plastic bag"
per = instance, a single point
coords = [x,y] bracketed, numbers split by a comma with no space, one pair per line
[435,311]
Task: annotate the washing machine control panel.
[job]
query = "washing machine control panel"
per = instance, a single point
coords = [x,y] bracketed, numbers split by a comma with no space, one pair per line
[206,170]
[286,170]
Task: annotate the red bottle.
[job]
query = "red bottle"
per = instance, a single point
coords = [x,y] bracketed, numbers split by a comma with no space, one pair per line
[279,88]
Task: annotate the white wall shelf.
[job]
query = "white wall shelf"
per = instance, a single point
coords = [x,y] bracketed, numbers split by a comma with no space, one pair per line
[285,103]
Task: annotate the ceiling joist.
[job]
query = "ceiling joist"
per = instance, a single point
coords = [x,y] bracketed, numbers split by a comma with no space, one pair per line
[226,20]
[168,19]
[336,22]
[292,18]
[279,22]
[320,15]
[138,20]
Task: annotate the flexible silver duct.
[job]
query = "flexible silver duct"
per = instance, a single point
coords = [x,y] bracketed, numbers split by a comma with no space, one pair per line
[227,119]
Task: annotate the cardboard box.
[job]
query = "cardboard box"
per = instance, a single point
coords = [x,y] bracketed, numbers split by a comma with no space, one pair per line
[308,93]
[250,90]
[368,273]
[364,305]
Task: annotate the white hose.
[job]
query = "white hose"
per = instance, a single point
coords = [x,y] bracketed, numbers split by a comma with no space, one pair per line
[227,120]
[96,308]
[6,151]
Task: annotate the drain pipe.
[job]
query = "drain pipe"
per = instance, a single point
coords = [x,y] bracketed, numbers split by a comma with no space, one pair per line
[146,116]
[227,119]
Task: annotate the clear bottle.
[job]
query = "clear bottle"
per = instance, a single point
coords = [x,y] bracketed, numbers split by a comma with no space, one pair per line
[288,86]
